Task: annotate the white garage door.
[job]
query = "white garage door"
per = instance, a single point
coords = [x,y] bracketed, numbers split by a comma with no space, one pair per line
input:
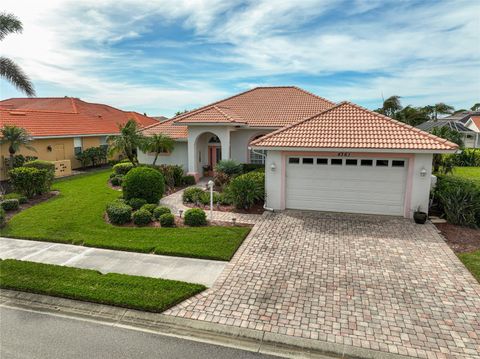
[355,185]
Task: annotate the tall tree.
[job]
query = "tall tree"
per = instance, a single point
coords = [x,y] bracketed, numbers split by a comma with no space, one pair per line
[15,137]
[438,109]
[9,70]
[127,142]
[476,107]
[390,106]
[158,143]
[412,116]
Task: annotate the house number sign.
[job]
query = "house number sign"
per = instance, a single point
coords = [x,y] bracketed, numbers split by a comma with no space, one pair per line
[343,154]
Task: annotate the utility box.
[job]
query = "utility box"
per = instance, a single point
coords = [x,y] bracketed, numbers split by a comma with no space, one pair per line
[63,168]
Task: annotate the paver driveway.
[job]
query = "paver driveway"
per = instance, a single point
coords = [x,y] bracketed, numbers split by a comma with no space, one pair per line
[374,282]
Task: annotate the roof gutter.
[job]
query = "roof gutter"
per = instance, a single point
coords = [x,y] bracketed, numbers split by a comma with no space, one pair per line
[366,150]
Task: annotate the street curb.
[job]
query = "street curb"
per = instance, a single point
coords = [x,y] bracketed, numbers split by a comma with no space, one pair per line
[220,334]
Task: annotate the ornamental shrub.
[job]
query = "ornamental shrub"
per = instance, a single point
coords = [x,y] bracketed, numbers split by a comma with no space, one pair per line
[459,199]
[229,167]
[143,182]
[188,180]
[249,167]
[192,194]
[149,207]
[10,204]
[116,180]
[122,168]
[142,217]
[245,190]
[30,181]
[3,218]
[136,203]
[161,210]
[21,198]
[173,174]
[205,198]
[195,217]
[118,212]
[167,220]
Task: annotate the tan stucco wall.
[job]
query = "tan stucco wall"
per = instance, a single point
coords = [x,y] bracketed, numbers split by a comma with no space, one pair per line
[61,149]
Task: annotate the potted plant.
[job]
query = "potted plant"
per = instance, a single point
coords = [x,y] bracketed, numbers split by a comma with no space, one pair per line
[420,217]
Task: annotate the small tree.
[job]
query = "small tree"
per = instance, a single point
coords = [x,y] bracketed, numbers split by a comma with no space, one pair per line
[158,143]
[15,137]
[127,142]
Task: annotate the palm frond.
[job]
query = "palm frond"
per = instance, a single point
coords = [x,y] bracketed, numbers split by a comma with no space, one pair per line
[11,72]
[9,23]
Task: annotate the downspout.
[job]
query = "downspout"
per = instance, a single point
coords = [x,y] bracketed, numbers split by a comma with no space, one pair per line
[264,156]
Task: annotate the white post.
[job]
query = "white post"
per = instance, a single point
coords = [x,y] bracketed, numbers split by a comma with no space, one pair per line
[210,185]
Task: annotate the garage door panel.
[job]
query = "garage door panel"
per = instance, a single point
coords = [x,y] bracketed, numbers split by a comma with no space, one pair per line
[342,188]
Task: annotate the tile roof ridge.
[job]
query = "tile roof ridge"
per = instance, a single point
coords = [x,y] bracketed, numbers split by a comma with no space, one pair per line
[32,110]
[312,94]
[295,124]
[229,117]
[402,124]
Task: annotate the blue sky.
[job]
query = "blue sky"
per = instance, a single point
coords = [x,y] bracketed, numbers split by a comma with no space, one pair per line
[159,57]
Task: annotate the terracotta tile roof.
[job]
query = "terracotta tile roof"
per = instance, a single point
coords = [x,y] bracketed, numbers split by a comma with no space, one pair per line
[167,128]
[351,126]
[476,121]
[273,107]
[66,116]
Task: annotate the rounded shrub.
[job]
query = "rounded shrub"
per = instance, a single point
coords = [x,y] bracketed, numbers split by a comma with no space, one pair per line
[205,198]
[122,168]
[30,181]
[192,194]
[142,217]
[43,165]
[136,203]
[3,217]
[195,217]
[167,220]
[117,180]
[188,180]
[119,212]
[143,182]
[245,190]
[21,198]
[10,204]
[149,207]
[161,210]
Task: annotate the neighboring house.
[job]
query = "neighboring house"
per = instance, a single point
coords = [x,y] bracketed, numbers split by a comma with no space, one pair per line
[319,155]
[62,127]
[470,138]
[473,123]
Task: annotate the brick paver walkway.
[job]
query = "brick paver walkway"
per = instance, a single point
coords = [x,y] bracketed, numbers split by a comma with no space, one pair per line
[175,203]
[374,282]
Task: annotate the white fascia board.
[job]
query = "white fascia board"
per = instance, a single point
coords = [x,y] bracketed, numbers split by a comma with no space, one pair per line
[366,150]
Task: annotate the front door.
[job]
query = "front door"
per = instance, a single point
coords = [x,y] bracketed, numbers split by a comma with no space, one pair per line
[214,155]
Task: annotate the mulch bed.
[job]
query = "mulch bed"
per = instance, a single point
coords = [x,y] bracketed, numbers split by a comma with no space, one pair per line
[460,239]
[255,209]
[32,202]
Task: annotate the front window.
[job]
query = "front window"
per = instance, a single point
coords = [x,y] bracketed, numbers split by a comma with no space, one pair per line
[257,157]
[77,145]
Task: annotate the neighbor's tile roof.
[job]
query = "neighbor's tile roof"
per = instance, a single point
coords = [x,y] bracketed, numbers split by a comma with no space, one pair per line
[167,128]
[350,126]
[476,121]
[66,116]
[273,107]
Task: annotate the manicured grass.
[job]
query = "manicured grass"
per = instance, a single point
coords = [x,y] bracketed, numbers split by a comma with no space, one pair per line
[471,260]
[76,216]
[149,294]
[471,173]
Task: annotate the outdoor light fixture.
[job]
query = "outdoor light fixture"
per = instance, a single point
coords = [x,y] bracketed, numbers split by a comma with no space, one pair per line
[180,211]
[423,172]
[210,185]
[273,167]
[234,220]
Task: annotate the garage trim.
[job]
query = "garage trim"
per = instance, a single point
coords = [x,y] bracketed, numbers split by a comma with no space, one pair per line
[343,154]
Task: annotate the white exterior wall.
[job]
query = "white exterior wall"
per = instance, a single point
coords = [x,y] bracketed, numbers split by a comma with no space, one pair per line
[239,141]
[179,156]
[418,188]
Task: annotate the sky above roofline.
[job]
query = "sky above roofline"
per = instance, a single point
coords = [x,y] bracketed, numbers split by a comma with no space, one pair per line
[160,57]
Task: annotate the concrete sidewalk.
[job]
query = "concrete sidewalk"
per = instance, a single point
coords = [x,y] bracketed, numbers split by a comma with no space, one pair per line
[191,270]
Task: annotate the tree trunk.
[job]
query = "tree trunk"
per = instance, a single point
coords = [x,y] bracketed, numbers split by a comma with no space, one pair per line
[155,160]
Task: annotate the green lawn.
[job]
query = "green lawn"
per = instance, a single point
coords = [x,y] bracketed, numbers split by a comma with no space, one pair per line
[76,216]
[471,260]
[149,294]
[471,173]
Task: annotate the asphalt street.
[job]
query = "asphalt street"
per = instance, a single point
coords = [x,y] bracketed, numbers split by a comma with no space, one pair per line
[27,334]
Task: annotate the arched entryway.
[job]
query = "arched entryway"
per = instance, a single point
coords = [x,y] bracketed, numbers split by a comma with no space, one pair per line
[208,148]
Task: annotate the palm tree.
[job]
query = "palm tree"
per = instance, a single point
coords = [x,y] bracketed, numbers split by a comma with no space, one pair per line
[390,106]
[9,70]
[158,143]
[127,142]
[411,115]
[475,107]
[15,137]
[438,109]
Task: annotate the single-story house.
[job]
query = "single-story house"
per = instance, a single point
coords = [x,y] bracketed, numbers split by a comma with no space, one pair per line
[318,155]
[470,138]
[62,127]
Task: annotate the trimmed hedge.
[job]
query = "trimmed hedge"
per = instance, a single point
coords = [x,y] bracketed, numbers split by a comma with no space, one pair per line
[192,194]
[459,198]
[142,217]
[116,180]
[149,207]
[161,210]
[249,167]
[118,212]
[245,190]
[143,182]
[21,198]
[167,220]
[136,203]
[30,181]
[188,180]
[10,204]
[3,218]
[122,168]
[195,217]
